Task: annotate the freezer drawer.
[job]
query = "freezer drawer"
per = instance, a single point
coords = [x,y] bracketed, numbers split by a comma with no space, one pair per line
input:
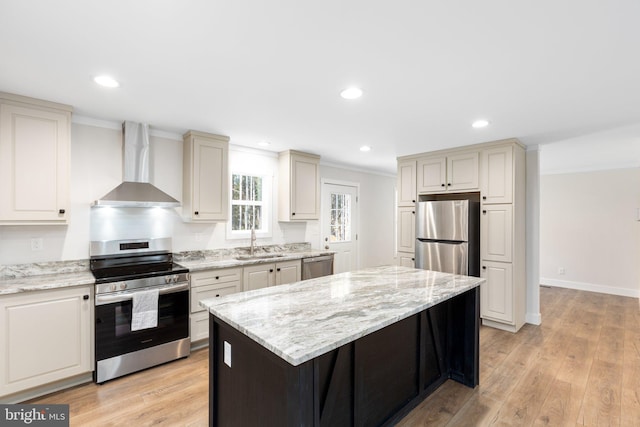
[441,256]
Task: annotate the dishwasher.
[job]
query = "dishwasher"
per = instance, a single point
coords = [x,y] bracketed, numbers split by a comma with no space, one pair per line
[317,266]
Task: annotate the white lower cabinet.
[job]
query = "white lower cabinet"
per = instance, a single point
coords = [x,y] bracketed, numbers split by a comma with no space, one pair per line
[496,294]
[46,336]
[406,259]
[272,274]
[210,284]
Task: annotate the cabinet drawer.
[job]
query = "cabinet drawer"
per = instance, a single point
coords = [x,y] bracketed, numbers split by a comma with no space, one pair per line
[211,291]
[212,277]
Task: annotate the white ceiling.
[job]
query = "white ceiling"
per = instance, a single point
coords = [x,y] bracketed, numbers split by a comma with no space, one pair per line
[541,71]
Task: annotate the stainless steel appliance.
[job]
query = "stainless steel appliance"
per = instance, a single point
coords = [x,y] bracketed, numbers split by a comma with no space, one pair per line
[317,266]
[448,236]
[124,268]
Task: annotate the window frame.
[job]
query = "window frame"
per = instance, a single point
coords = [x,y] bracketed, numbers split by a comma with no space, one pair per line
[266,203]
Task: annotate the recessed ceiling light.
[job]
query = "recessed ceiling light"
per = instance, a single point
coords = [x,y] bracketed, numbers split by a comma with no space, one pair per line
[106,81]
[365,148]
[351,93]
[480,124]
[264,143]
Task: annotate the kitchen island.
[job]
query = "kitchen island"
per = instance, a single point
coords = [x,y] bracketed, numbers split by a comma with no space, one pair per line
[360,348]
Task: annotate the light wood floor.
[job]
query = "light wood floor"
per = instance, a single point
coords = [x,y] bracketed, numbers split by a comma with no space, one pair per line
[580,367]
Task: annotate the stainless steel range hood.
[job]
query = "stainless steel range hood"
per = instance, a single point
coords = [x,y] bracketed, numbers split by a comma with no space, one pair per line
[136,191]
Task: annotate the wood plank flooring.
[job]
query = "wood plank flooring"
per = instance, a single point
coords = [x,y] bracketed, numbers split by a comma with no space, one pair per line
[581,367]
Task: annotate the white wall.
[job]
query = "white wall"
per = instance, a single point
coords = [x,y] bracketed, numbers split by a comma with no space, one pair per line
[376,214]
[589,227]
[589,212]
[96,168]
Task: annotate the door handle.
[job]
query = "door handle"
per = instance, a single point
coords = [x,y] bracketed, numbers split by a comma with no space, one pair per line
[326,246]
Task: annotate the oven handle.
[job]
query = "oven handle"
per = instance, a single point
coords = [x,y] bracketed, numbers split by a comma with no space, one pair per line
[128,295]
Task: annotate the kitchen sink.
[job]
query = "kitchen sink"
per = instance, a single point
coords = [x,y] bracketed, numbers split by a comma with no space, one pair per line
[261,256]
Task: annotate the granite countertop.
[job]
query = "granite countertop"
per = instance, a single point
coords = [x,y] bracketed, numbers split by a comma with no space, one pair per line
[211,262]
[42,276]
[62,274]
[303,320]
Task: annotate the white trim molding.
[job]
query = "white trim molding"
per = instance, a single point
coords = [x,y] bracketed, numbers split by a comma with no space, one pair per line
[590,287]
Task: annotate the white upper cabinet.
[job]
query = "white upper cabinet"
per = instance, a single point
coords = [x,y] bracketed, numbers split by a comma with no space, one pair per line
[205,194]
[497,175]
[455,172]
[406,183]
[34,161]
[299,186]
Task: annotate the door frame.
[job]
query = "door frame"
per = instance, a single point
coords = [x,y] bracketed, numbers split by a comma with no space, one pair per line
[356,185]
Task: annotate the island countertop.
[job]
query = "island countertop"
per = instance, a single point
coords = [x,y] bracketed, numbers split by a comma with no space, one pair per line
[303,320]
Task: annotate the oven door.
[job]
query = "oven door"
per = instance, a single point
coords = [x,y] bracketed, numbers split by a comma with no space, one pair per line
[113,322]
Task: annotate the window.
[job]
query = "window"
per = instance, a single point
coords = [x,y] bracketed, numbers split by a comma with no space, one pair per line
[340,217]
[249,204]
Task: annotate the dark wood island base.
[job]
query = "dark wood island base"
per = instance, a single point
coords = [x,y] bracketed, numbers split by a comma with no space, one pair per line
[373,381]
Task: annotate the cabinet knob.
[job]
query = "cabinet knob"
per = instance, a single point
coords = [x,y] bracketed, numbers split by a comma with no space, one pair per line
[61,211]
[217,295]
[293,213]
[442,185]
[484,267]
[449,184]
[484,212]
[326,246]
[277,269]
[196,213]
[413,259]
[413,201]
[85,297]
[271,270]
[217,277]
[413,212]
[484,197]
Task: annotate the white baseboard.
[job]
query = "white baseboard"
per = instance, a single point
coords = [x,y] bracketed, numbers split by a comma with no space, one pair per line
[533,318]
[581,286]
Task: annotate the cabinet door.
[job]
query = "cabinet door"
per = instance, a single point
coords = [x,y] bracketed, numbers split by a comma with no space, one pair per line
[199,326]
[305,196]
[406,229]
[258,276]
[34,165]
[496,294]
[406,259]
[210,180]
[407,183]
[288,272]
[497,175]
[496,238]
[432,174]
[45,337]
[462,172]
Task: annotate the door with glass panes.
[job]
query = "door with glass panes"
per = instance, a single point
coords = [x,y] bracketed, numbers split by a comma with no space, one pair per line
[339,224]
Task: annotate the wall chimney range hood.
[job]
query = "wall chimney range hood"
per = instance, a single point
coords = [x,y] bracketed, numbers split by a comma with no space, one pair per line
[135,190]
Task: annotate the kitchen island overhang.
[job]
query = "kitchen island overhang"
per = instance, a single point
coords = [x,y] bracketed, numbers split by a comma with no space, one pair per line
[359,348]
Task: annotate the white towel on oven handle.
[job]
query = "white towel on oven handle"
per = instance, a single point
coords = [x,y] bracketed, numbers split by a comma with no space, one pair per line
[144,313]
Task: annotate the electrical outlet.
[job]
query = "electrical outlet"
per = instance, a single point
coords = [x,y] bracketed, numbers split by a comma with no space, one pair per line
[561,270]
[227,354]
[37,244]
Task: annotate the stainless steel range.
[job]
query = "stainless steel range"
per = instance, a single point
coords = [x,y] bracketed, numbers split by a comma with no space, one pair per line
[141,306]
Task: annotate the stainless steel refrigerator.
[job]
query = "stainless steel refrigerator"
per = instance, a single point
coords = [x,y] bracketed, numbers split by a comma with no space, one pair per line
[448,236]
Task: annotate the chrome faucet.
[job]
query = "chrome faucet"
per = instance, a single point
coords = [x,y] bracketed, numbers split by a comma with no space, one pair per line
[253,240]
